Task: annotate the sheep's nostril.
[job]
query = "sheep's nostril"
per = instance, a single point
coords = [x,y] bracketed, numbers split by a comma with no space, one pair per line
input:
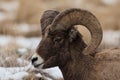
[34,59]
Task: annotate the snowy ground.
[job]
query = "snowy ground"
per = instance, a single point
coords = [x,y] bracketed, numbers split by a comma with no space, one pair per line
[18,73]
[23,42]
[111,39]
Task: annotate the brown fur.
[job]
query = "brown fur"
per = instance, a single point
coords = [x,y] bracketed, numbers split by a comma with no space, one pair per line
[57,49]
[47,19]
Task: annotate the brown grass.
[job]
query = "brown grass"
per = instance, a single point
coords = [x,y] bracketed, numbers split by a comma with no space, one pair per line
[108,15]
[9,56]
[31,77]
[9,27]
[8,59]
[30,12]
[6,0]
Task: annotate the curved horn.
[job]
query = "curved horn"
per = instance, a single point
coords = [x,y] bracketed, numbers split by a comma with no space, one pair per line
[47,18]
[72,17]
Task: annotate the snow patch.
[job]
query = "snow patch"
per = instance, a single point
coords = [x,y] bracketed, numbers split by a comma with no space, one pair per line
[110,2]
[22,51]
[30,43]
[26,27]
[18,73]
[4,40]
[55,71]
[111,38]
[22,61]
[2,16]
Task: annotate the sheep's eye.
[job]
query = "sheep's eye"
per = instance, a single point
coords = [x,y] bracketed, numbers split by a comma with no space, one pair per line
[58,39]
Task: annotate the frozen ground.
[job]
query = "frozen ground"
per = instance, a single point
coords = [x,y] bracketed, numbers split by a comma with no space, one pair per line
[30,43]
[18,73]
[110,2]
[111,39]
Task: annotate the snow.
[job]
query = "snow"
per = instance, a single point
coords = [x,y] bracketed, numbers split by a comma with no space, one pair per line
[18,73]
[54,72]
[2,16]
[22,61]
[24,27]
[13,70]
[22,51]
[16,76]
[38,75]
[111,38]
[110,2]
[30,43]
[4,40]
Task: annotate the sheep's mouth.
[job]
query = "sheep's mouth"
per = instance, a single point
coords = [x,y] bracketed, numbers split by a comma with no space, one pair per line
[38,65]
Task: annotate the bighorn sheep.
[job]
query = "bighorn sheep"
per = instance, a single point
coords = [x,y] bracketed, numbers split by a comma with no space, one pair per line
[62,45]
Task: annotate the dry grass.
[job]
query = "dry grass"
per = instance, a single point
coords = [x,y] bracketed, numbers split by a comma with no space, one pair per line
[9,27]
[32,77]
[6,60]
[30,12]
[9,56]
[6,0]
[108,15]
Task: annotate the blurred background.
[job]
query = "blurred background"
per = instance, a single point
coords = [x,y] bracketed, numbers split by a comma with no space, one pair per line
[20,22]
[20,26]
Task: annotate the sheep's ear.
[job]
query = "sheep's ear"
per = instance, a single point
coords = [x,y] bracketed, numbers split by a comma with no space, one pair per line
[72,34]
[47,18]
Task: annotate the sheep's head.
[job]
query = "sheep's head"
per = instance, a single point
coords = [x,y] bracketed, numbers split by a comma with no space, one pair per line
[59,34]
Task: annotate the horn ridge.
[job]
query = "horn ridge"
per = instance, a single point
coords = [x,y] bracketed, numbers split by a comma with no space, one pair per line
[66,19]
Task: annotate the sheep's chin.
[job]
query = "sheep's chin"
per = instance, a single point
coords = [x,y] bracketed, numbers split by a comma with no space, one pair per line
[39,66]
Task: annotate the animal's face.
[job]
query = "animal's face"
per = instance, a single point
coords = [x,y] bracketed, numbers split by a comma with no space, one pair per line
[49,49]
[53,48]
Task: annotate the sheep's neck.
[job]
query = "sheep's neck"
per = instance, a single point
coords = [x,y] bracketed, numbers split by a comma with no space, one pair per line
[77,68]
